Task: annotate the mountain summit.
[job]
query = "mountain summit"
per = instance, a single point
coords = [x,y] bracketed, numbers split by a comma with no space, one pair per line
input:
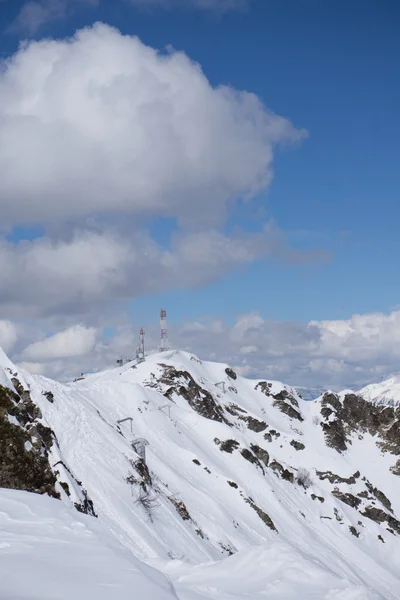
[233,488]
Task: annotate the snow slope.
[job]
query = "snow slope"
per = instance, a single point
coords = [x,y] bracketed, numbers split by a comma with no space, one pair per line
[220,509]
[50,552]
[384,392]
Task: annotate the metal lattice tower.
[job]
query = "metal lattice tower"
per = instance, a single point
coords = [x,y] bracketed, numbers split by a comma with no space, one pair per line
[140,351]
[164,345]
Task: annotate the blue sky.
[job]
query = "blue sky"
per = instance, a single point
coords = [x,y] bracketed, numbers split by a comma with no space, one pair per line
[331,68]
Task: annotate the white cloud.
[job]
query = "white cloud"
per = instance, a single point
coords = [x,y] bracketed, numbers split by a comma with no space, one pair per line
[36,13]
[92,270]
[296,353]
[8,335]
[101,123]
[75,341]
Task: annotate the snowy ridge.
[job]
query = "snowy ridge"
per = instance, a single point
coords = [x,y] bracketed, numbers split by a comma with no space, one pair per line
[240,476]
[385,392]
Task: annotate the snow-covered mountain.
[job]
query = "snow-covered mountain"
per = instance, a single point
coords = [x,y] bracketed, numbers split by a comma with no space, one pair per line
[232,488]
[384,392]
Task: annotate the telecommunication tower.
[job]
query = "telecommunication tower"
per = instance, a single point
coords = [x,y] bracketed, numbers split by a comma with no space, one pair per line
[164,345]
[140,351]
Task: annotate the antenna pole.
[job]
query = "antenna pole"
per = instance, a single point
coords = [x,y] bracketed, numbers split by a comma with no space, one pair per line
[164,344]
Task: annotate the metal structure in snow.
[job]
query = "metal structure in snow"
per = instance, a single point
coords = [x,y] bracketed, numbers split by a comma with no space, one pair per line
[164,344]
[126,419]
[167,407]
[122,361]
[139,446]
[140,351]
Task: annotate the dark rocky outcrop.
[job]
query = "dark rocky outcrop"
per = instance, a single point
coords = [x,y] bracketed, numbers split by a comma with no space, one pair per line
[261,454]
[231,373]
[49,396]
[24,444]
[379,495]
[254,424]
[281,471]
[333,478]
[245,452]
[346,498]
[263,515]
[356,415]
[180,508]
[320,498]
[396,468]
[283,400]
[335,434]
[85,505]
[272,434]
[227,445]
[297,445]
[380,516]
[354,531]
[200,399]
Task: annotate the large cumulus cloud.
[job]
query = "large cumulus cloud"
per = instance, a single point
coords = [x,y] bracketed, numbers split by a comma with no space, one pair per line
[101,123]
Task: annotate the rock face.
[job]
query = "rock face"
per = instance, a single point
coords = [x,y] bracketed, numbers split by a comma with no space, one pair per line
[284,400]
[24,444]
[354,414]
[200,399]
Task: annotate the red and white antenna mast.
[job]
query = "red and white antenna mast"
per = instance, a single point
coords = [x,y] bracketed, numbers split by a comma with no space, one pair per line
[164,345]
[140,351]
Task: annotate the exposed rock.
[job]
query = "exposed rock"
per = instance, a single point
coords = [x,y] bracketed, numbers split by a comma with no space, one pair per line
[379,496]
[263,515]
[283,473]
[375,514]
[250,457]
[49,396]
[396,468]
[357,415]
[264,387]
[196,462]
[228,445]
[233,484]
[285,402]
[234,409]
[200,399]
[354,531]
[143,471]
[333,478]
[261,454]
[24,463]
[320,498]
[180,508]
[254,424]
[347,498]
[86,505]
[231,373]
[297,445]
[271,434]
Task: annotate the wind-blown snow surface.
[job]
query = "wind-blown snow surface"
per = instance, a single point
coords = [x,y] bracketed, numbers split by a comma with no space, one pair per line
[226,520]
[51,552]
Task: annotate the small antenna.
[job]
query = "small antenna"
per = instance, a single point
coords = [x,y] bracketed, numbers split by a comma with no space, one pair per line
[164,345]
[140,351]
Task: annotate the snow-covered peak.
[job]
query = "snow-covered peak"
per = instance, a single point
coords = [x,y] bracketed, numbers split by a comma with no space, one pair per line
[385,392]
[185,462]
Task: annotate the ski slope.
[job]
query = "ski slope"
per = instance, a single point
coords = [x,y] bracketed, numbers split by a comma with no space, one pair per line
[227,518]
